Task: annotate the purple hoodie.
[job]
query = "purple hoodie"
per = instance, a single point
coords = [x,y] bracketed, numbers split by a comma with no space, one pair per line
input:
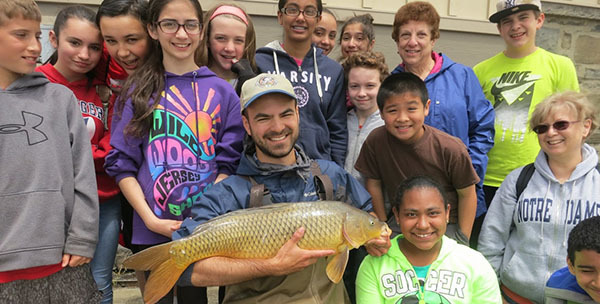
[179,158]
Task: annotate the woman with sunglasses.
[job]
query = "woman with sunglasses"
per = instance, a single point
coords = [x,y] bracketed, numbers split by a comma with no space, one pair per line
[524,237]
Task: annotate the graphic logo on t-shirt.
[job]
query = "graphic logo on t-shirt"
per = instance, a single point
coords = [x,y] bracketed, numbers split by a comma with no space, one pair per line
[30,125]
[539,210]
[301,95]
[513,92]
[439,284]
[181,150]
[301,79]
[430,298]
[90,125]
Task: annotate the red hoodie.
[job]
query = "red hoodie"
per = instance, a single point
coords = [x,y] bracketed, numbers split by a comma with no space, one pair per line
[92,110]
[111,72]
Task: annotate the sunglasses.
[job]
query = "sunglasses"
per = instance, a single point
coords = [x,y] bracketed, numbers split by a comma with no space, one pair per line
[559,125]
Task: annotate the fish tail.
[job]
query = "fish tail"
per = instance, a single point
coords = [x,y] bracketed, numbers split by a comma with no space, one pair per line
[161,280]
[164,272]
[150,258]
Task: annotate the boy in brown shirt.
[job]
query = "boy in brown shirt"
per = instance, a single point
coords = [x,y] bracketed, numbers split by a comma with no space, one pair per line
[405,147]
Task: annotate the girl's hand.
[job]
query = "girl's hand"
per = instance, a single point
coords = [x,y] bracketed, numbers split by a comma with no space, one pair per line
[221,177]
[73,260]
[379,246]
[164,227]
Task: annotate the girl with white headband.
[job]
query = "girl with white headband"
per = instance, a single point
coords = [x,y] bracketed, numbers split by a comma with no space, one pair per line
[229,38]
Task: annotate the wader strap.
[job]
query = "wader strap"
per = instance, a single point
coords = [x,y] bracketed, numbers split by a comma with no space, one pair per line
[259,196]
[323,184]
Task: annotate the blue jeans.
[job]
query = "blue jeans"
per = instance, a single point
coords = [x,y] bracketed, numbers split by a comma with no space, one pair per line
[106,249]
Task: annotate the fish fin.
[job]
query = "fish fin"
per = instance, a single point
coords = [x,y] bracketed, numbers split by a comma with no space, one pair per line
[337,264]
[164,273]
[150,258]
[161,280]
[348,239]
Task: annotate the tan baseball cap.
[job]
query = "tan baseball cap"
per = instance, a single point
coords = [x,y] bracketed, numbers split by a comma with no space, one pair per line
[263,84]
[509,7]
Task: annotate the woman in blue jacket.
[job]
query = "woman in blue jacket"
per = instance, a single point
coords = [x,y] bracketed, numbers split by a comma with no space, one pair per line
[458,105]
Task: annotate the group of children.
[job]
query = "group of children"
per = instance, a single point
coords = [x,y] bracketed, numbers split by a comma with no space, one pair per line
[158,83]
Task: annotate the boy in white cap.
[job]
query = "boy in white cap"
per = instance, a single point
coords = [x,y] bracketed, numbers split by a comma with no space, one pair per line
[515,81]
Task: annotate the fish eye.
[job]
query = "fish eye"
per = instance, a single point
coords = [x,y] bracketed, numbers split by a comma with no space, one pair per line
[371,222]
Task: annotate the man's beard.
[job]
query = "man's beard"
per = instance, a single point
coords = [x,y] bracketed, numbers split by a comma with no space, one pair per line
[275,151]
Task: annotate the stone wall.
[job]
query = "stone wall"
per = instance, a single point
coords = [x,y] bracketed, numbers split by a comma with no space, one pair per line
[574,31]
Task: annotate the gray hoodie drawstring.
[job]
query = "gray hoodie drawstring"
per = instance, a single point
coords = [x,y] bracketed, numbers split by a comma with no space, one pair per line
[565,225]
[545,198]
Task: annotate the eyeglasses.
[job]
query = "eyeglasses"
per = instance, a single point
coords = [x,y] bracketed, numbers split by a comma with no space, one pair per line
[170,26]
[559,125]
[292,11]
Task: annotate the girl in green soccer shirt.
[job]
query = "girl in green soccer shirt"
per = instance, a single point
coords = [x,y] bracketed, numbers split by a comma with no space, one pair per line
[423,265]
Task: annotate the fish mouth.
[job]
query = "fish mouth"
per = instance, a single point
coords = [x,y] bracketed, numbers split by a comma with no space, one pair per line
[385,230]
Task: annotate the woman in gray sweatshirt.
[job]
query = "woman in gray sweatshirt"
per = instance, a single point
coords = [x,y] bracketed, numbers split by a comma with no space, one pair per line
[524,236]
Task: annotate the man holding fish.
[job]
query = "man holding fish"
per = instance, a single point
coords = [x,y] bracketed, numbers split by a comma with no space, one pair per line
[281,267]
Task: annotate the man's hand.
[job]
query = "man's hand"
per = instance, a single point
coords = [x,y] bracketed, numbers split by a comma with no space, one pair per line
[292,258]
[73,260]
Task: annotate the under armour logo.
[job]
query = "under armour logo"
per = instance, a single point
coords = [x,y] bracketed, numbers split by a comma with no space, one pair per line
[30,123]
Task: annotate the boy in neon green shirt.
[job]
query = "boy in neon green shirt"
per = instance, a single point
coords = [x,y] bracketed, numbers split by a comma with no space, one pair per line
[515,81]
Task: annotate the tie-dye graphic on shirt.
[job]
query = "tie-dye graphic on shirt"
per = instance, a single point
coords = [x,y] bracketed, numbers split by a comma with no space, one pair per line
[513,92]
[181,149]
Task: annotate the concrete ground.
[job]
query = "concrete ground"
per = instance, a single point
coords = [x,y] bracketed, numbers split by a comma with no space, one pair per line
[127,295]
[132,295]
[125,290]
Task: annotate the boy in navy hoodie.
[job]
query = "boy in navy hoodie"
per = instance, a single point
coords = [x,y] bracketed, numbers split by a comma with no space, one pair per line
[318,80]
[48,197]
[580,281]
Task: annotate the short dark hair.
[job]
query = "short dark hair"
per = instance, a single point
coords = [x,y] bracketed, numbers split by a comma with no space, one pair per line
[114,8]
[401,83]
[585,236]
[282,3]
[418,182]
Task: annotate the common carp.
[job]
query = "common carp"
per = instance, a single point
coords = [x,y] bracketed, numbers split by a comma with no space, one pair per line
[260,233]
